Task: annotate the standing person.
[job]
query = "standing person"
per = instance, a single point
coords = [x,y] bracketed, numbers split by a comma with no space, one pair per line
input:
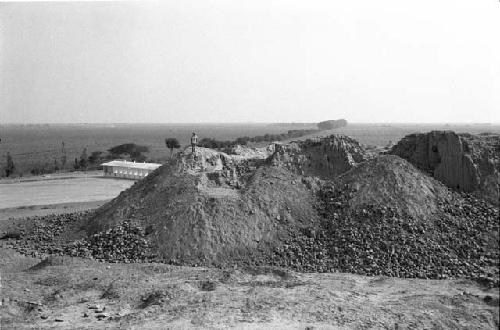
[194,142]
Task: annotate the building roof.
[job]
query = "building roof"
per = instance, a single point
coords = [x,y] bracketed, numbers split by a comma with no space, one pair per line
[124,163]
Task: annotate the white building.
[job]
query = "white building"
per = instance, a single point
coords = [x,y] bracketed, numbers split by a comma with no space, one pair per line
[128,170]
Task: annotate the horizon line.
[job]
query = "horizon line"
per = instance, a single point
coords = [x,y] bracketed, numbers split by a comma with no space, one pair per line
[247,122]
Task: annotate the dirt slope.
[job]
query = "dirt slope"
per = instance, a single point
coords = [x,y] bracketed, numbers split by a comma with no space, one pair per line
[393,182]
[214,208]
[195,218]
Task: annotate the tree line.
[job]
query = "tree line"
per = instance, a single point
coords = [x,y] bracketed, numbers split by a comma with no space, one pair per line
[244,140]
[84,162]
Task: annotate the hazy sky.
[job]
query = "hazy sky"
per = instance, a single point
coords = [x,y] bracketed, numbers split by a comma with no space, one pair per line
[259,61]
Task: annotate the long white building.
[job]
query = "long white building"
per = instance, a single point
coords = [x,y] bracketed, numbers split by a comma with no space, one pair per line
[128,170]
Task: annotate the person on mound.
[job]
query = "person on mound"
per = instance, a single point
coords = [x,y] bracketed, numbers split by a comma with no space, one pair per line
[194,142]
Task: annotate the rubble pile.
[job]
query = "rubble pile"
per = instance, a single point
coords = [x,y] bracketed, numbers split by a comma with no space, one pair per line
[44,233]
[123,243]
[461,241]
[368,228]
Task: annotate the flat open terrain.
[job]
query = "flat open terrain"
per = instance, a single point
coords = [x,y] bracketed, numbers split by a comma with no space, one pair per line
[70,293]
[62,190]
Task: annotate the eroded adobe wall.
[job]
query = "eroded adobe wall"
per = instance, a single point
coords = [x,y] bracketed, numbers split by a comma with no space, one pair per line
[463,162]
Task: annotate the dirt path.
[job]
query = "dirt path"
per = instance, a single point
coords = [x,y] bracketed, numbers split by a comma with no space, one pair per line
[65,293]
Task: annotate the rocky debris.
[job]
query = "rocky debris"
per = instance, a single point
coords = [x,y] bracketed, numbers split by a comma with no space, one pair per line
[463,162]
[462,242]
[375,240]
[11,234]
[102,316]
[325,157]
[208,285]
[368,231]
[124,243]
[44,232]
[154,298]
[96,307]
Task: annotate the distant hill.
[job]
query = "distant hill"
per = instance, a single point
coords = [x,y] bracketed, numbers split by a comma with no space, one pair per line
[332,124]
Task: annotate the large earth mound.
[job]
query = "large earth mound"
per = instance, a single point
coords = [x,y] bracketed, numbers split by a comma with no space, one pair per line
[386,217]
[215,208]
[463,162]
[393,182]
[311,206]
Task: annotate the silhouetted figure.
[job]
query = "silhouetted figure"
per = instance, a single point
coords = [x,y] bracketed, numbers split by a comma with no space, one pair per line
[194,142]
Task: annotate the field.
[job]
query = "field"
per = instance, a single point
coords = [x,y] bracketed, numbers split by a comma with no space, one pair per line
[35,145]
[71,190]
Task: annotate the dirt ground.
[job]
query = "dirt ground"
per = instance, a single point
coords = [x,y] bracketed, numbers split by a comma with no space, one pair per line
[72,293]
[41,210]
[57,191]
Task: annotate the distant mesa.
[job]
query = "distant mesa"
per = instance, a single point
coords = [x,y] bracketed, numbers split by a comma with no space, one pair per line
[332,124]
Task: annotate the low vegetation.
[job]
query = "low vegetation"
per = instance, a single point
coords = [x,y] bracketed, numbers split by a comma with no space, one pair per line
[244,140]
[172,143]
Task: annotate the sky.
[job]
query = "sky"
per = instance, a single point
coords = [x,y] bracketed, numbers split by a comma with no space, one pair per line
[425,61]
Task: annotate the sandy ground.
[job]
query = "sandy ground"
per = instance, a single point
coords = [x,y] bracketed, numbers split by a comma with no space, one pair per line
[53,176]
[65,293]
[60,190]
[41,210]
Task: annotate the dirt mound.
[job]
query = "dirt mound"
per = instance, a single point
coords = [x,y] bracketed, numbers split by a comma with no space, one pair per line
[203,217]
[213,208]
[463,162]
[386,218]
[393,182]
[459,240]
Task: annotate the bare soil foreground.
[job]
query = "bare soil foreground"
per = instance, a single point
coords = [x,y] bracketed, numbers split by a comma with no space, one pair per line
[74,293]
